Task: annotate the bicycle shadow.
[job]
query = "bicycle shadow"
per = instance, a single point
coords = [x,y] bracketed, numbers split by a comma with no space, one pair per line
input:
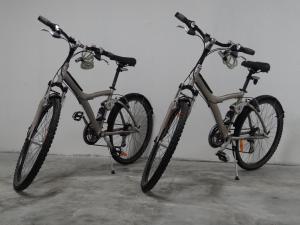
[54,178]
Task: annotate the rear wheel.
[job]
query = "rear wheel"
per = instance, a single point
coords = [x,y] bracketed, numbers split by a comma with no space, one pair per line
[164,146]
[35,148]
[252,154]
[129,147]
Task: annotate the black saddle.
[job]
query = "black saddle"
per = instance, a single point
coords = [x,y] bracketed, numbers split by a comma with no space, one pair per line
[257,66]
[126,61]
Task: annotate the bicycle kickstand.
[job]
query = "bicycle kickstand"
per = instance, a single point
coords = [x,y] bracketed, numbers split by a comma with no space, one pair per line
[236,166]
[112,168]
[109,146]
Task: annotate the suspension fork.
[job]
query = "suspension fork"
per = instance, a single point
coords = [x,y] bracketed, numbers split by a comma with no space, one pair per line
[44,101]
[174,104]
[172,107]
[38,113]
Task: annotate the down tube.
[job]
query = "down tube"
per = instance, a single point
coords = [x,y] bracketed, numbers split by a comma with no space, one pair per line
[212,103]
[85,104]
[218,118]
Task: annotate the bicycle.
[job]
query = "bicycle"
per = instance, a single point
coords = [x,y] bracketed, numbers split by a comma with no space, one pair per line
[128,125]
[253,126]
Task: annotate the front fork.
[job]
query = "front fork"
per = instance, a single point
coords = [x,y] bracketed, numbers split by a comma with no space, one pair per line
[174,104]
[37,115]
[44,101]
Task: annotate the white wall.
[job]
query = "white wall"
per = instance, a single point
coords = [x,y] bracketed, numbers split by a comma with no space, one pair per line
[146,30]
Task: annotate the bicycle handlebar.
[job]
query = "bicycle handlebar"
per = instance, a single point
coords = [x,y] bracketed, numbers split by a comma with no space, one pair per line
[98,52]
[206,37]
[245,50]
[183,19]
[47,22]
[224,45]
[55,28]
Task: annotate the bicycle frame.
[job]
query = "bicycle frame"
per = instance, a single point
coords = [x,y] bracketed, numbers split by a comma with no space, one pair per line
[213,100]
[83,99]
[64,77]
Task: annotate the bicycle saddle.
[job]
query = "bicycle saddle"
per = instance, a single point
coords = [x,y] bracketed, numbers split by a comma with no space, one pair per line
[126,61]
[257,66]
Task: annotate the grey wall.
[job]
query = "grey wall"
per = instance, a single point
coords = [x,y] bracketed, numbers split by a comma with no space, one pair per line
[146,30]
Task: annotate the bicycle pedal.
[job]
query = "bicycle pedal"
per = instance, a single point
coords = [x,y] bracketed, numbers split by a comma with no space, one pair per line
[222,156]
[77,116]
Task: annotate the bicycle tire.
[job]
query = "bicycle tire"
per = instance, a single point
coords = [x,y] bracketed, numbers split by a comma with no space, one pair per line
[240,122]
[118,152]
[147,183]
[19,183]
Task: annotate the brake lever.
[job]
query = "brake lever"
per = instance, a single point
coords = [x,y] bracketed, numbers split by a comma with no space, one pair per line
[105,61]
[182,27]
[55,34]
[188,30]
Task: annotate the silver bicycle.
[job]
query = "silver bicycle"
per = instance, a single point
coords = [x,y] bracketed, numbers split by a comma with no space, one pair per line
[126,130]
[252,126]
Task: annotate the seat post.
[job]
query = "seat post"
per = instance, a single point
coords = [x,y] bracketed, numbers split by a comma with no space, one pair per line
[118,70]
[249,77]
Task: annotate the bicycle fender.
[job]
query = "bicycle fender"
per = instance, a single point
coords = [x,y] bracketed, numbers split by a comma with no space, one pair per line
[124,103]
[123,99]
[253,105]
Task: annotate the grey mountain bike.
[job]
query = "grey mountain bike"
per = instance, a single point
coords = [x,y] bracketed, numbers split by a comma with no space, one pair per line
[126,130]
[252,126]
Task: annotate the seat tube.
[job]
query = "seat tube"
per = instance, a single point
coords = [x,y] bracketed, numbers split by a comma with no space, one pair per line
[218,118]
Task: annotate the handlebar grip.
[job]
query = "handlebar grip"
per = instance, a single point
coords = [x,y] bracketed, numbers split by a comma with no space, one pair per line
[248,51]
[46,22]
[183,19]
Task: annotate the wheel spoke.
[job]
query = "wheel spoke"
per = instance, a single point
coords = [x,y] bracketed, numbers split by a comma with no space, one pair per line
[36,144]
[261,146]
[133,141]
[164,144]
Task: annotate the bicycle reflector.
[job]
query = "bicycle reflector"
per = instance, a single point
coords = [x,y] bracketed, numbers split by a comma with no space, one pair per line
[87,61]
[242,145]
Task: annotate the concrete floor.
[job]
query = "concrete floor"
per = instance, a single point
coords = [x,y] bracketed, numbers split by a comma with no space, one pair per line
[81,190]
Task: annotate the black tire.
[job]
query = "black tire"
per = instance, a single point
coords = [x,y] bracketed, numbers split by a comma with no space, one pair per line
[127,149]
[272,114]
[22,181]
[176,124]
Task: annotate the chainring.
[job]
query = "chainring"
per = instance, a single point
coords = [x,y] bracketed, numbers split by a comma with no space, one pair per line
[215,138]
[89,135]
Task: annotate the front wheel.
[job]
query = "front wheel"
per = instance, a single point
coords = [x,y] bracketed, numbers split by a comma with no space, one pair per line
[36,147]
[252,154]
[127,148]
[165,146]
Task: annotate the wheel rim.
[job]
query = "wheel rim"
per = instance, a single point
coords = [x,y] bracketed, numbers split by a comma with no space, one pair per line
[35,145]
[253,151]
[163,143]
[128,146]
